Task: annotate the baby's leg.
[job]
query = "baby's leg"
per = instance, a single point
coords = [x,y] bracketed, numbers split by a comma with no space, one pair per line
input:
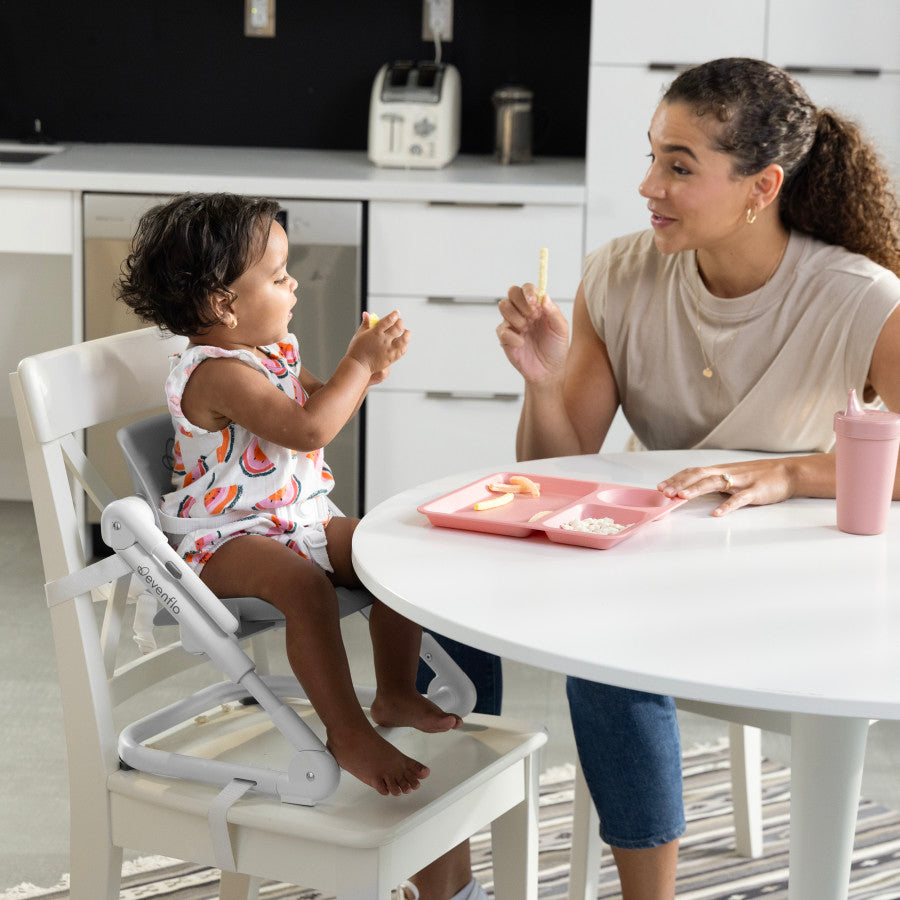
[254,565]
[395,644]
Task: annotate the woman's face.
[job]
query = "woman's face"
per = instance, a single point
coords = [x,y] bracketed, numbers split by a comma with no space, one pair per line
[695,200]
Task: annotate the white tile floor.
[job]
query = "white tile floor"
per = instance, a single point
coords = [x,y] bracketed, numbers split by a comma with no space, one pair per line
[33,795]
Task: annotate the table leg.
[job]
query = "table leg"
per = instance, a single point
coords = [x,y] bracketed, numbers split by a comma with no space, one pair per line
[827,755]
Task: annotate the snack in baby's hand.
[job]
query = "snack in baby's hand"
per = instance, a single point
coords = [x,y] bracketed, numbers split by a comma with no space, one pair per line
[494,502]
[373,319]
[542,275]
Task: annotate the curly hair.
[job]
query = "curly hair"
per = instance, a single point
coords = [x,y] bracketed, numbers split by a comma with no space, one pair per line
[836,187]
[188,249]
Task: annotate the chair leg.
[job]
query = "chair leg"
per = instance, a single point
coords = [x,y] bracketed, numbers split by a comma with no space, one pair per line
[746,788]
[96,867]
[235,886]
[587,848]
[514,843]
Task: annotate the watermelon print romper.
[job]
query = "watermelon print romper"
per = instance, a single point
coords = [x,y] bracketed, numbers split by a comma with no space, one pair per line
[229,483]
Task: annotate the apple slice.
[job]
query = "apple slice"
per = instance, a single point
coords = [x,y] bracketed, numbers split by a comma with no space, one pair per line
[494,502]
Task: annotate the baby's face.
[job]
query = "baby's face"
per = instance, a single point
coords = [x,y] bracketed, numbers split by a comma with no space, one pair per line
[265,295]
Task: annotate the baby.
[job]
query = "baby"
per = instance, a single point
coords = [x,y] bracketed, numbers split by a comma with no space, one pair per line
[250,477]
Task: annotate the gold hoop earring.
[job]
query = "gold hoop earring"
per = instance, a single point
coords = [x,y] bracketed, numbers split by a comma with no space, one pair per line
[751,215]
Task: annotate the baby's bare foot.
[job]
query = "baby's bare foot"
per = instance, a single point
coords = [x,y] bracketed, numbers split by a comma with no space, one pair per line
[376,762]
[414,710]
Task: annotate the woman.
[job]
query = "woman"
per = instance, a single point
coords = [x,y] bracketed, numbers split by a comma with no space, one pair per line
[766,288]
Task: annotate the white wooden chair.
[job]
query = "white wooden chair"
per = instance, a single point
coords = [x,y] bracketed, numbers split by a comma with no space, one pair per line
[354,842]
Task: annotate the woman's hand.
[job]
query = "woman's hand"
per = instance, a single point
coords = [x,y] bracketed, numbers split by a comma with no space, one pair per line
[752,483]
[534,335]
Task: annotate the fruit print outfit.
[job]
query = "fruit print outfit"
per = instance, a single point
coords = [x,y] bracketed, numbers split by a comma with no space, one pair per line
[229,483]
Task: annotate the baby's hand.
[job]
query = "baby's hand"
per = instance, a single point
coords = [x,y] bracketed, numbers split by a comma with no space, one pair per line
[379,344]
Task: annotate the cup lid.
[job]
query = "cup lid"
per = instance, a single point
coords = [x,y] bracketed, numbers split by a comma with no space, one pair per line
[866,424]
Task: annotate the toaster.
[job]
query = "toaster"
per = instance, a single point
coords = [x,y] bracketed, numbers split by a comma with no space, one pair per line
[414,115]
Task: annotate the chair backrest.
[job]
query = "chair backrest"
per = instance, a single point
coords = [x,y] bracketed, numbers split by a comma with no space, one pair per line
[57,395]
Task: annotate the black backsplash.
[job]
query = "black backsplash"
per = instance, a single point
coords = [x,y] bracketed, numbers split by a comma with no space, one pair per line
[149,71]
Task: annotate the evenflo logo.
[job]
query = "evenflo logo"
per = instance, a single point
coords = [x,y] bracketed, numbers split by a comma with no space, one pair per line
[168,600]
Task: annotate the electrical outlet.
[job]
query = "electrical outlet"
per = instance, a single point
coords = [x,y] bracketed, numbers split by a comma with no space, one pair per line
[259,18]
[444,11]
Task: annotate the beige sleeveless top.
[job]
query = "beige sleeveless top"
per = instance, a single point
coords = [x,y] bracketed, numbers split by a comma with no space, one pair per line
[783,357]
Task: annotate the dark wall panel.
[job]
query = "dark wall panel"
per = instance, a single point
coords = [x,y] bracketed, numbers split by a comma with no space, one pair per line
[146,71]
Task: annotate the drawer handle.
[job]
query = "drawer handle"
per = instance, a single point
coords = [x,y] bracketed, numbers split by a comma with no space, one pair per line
[471,204]
[658,66]
[470,395]
[464,301]
[834,70]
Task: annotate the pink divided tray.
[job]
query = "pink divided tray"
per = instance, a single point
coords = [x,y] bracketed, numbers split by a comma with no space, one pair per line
[563,499]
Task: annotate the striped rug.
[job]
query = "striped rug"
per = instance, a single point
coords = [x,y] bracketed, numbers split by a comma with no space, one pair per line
[708,868]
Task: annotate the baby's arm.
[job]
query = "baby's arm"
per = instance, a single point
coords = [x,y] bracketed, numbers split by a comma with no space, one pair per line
[227,390]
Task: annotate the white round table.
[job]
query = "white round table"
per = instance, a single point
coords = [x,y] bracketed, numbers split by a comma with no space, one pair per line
[770,609]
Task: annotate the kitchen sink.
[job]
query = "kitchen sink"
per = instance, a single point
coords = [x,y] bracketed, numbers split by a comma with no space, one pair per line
[20,153]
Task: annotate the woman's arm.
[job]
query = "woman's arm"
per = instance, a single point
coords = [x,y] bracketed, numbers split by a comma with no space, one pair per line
[570,395]
[773,480]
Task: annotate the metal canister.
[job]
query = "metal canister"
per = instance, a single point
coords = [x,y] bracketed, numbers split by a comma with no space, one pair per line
[512,111]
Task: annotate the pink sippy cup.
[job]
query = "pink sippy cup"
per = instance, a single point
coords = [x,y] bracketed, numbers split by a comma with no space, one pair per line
[866,446]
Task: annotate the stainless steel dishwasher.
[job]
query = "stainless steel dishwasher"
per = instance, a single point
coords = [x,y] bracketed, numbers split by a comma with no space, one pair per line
[325,256]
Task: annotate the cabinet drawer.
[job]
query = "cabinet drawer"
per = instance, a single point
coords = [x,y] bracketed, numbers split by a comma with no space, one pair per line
[466,250]
[454,346]
[835,34]
[864,99]
[642,31]
[36,222]
[413,437]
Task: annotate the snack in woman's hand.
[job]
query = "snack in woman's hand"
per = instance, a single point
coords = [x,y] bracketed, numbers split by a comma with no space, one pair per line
[373,319]
[494,502]
[542,275]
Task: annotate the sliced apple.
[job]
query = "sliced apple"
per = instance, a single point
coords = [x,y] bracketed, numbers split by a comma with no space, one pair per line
[494,502]
[527,484]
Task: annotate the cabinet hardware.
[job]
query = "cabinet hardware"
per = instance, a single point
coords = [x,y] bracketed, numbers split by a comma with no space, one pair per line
[471,395]
[658,66]
[464,301]
[833,70]
[470,204]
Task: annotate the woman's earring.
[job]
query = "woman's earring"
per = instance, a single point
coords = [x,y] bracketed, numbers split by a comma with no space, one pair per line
[751,215]
[232,322]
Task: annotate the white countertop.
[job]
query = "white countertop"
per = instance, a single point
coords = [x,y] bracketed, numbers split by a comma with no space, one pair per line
[285,173]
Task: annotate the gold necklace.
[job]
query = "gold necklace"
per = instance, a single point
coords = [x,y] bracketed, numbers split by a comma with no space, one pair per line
[708,371]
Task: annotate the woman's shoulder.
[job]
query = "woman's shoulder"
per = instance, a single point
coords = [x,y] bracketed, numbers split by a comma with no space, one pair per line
[829,263]
[627,248]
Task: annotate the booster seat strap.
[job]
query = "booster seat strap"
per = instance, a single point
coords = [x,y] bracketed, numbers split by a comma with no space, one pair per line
[186,524]
[84,580]
[218,822]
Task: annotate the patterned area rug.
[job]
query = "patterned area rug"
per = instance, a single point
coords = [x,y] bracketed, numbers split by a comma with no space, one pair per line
[708,867]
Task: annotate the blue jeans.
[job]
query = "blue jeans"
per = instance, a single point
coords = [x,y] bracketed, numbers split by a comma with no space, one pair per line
[630,752]
[483,668]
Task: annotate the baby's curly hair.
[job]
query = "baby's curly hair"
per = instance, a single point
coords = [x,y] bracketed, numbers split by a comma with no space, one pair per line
[836,187]
[188,249]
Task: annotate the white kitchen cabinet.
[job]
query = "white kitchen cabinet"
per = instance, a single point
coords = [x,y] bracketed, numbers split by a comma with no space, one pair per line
[642,31]
[452,403]
[835,34]
[870,100]
[39,276]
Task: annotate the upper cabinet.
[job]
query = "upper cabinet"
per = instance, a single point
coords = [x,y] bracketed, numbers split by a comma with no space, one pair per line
[691,31]
[835,35]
